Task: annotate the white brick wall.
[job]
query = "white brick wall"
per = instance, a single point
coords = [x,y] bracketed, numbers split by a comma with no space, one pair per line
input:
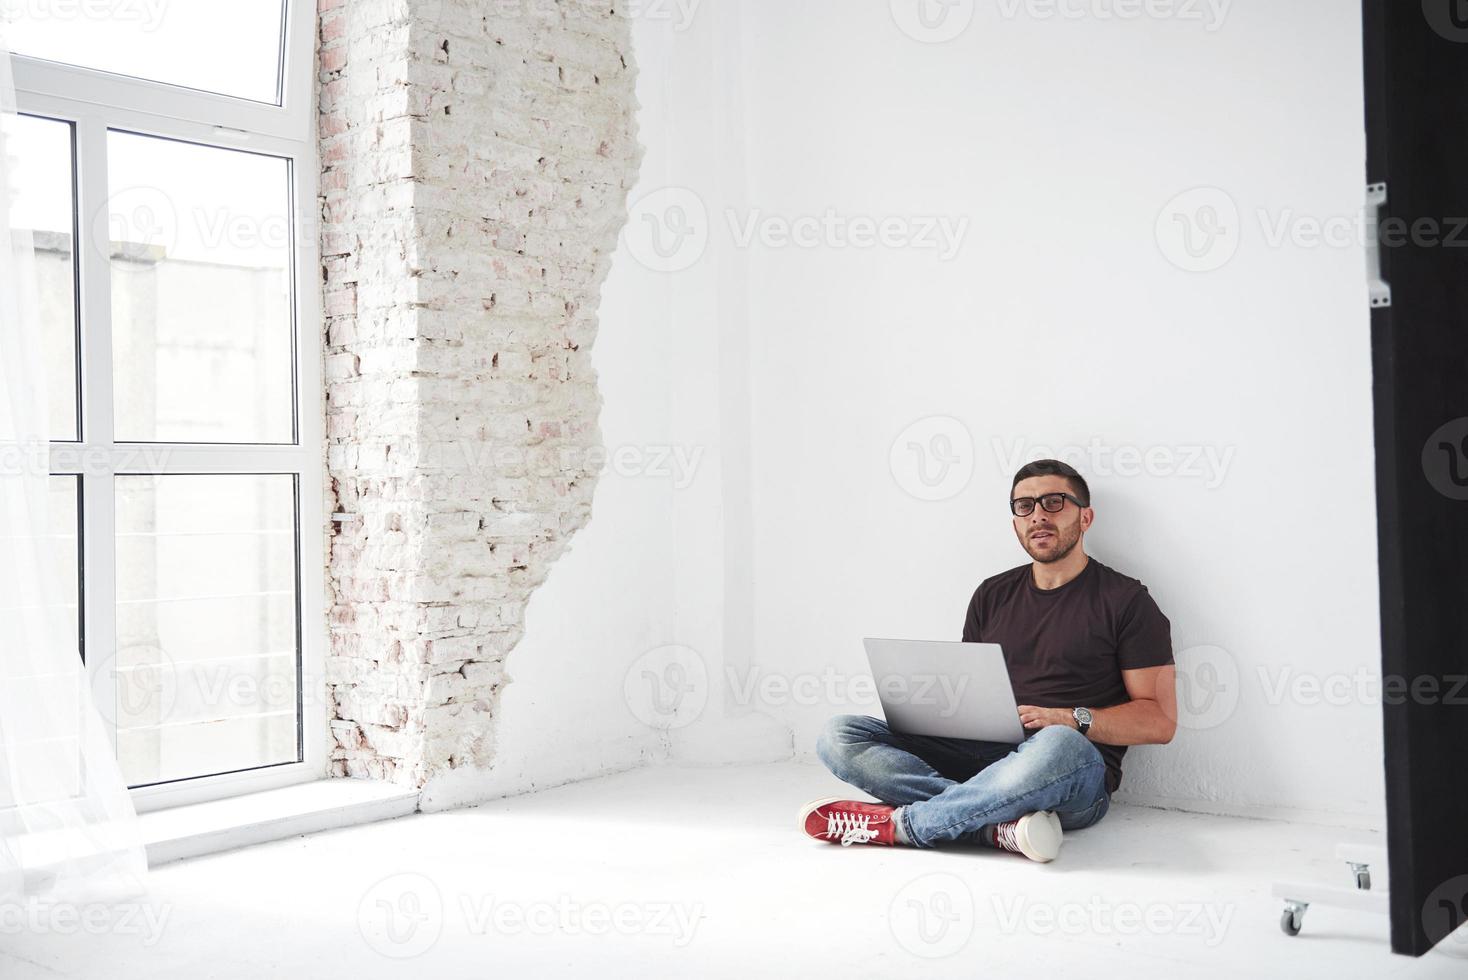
[476,158]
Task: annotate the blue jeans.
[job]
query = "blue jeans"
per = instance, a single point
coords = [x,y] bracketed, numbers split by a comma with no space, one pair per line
[951,788]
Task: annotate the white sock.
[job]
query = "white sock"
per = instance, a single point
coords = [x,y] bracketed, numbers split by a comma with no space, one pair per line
[898,834]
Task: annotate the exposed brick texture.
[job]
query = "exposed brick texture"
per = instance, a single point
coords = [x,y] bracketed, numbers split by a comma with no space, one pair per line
[475,163]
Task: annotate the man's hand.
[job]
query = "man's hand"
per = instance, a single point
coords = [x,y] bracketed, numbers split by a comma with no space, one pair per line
[1036,718]
[1149,718]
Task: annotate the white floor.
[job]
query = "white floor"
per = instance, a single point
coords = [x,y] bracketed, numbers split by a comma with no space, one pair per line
[678,872]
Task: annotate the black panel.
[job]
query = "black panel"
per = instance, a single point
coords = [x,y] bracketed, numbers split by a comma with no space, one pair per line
[1416,70]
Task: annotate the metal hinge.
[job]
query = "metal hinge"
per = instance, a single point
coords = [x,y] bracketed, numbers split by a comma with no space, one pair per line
[1380,290]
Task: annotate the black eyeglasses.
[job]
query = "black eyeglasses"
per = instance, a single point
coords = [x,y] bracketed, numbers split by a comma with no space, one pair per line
[1053,503]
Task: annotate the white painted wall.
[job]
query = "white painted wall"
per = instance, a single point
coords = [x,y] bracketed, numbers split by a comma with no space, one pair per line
[1061,322]
[1058,322]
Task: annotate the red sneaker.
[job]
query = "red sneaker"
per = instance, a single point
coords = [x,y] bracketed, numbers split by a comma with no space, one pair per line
[848,822]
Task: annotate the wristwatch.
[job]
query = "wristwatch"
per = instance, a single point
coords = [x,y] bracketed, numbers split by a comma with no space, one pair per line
[1083,719]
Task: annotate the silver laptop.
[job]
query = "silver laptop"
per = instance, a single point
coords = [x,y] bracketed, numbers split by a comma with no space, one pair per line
[945,688]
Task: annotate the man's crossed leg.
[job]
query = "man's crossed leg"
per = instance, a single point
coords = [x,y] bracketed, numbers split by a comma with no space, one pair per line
[940,790]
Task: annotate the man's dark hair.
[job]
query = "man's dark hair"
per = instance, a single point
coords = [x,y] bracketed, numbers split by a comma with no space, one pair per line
[1054,467]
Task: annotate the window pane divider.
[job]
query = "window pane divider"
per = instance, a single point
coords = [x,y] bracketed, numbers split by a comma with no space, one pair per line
[94,298]
[161,458]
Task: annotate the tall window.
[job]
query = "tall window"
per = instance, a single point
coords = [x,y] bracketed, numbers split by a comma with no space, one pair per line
[167,167]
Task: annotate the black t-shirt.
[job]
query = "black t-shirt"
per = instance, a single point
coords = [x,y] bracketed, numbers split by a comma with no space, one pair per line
[1067,647]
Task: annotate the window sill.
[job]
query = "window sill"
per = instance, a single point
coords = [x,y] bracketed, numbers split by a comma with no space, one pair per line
[197,829]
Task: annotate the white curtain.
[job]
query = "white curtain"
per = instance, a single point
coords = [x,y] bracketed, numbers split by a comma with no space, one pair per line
[68,831]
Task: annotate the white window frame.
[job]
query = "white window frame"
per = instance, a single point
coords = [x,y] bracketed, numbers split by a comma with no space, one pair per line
[94,102]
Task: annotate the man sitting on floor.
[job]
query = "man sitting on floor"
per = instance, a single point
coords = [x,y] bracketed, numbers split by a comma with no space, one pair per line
[1090,658]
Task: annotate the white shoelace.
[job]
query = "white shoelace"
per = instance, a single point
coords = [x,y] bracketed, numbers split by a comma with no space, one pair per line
[852,828]
[1006,836]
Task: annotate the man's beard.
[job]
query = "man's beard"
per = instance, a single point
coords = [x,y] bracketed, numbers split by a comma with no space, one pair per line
[1065,542]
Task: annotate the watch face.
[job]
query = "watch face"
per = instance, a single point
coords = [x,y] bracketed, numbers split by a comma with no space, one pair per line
[1083,716]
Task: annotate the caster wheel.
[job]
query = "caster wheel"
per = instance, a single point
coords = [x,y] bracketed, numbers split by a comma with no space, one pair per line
[1363,880]
[1290,921]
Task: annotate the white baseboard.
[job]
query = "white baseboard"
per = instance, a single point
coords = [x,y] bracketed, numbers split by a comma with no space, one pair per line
[1375,823]
[745,740]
